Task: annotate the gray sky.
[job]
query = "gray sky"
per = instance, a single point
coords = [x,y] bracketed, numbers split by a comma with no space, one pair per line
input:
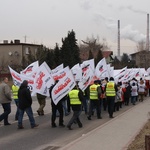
[48,21]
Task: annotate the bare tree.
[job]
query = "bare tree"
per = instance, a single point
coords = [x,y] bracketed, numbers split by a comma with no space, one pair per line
[141,46]
[92,45]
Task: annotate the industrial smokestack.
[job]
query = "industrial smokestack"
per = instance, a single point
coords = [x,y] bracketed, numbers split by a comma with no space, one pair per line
[147,38]
[118,38]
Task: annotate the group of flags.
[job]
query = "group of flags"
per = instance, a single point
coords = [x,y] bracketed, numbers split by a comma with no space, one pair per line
[40,77]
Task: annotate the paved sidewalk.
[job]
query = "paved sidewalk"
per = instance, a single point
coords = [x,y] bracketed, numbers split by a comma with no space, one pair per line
[117,133]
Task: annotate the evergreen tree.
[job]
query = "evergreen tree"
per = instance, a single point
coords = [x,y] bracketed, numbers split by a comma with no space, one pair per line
[41,54]
[116,63]
[70,50]
[125,60]
[99,57]
[50,59]
[57,55]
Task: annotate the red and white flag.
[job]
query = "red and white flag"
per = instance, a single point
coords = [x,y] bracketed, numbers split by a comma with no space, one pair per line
[65,84]
[77,72]
[28,70]
[43,80]
[19,78]
[101,69]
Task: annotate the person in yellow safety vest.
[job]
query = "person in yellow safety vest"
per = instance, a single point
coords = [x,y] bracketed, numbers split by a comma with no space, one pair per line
[15,97]
[95,92]
[111,89]
[75,97]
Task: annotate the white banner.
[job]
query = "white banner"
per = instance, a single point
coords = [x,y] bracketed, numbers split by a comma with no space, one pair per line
[77,72]
[18,79]
[64,86]
[101,69]
[58,68]
[43,81]
[28,70]
[87,77]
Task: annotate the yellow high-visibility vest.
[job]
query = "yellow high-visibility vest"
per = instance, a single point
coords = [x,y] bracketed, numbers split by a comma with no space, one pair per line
[74,99]
[15,91]
[110,89]
[93,92]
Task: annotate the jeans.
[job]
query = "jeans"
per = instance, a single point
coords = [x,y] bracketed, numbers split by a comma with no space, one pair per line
[30,115]
[85,104]
[133,99]
[65,107]
[75,118]
[7,111]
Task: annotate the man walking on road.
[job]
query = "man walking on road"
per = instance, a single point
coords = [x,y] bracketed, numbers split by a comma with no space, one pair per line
[75,98]
[5,100]
[15,97]
[95,92]
[25,102]
[111,89]
[58,107]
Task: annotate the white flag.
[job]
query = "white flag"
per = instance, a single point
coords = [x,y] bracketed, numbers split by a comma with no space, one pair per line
[58,68]
[43,80]
[77,72]
[101,69]
[28,70]
[64,86]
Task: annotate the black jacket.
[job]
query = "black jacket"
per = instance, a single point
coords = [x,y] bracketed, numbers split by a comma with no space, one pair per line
[24,96]
[127,93]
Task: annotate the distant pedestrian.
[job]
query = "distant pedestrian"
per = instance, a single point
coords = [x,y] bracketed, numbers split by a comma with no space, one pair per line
[127,94]
[103,95]
[111,89]
[141,90]
[25,102]
[15,97]
[95,92]
[134,93]
[5,100]
[118,98]
[42,102]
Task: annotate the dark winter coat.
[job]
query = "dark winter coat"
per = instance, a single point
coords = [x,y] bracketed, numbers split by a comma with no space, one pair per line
[24,96]
[127,93]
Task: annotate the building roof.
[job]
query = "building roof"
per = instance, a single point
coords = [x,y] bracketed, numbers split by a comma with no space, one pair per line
[139,52]
[16,42]
[19,44]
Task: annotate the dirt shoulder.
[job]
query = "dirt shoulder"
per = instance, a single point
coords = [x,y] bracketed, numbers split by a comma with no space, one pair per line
[139,141]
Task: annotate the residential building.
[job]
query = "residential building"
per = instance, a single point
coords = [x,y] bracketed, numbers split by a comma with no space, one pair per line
[15,54]
[141,58]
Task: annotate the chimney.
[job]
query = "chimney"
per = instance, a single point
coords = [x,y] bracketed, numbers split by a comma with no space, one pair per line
[16,41]
[5,41]
[147,37]
[118,38]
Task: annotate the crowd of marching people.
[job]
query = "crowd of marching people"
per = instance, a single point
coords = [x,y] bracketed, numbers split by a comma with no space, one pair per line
[102,95]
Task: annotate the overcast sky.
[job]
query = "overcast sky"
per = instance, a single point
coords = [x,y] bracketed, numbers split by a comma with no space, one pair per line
[48,21]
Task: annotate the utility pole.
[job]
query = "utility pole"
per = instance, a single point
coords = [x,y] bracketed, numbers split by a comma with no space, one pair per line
[147,38]
[119,39]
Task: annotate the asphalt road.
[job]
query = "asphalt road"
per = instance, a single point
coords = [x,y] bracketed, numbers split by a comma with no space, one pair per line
[44,137]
